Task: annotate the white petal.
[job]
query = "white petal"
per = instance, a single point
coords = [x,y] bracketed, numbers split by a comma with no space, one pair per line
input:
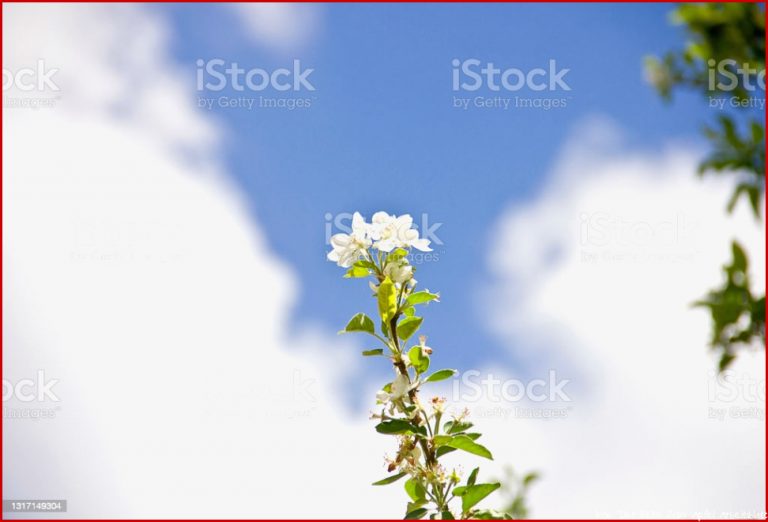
[359,226]
[340,240]
[421,244]
[400,386]
[386,245]
[405,221]
[381,218]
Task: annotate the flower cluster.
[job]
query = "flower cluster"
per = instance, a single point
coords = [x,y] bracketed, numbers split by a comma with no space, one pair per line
[384,233]
[378,250]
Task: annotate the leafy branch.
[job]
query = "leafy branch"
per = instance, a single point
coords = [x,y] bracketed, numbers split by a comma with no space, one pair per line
[725,59]
[378,251]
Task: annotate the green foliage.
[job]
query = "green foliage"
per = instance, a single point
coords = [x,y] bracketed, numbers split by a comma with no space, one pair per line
[441,375]
[359,323]
[723,59]
[416,491]
[719,32]
[418,359]
[474,494]
[422,297]
[408,327]
[738,317]
[465,443]
[389,480]
[515,490]
[387,299]
[398,427]
[740,154]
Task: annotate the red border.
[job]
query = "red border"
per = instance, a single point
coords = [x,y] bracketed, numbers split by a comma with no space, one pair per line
[2,228]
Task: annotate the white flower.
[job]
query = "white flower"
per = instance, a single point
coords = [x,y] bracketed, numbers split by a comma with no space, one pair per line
[383,231]
[400,386]
[399,271]
[390,232]
[348,248]
[425,350]
[398,389]
[415,453]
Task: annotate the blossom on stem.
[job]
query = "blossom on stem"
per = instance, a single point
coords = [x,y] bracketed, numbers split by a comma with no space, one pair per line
[390,232]
[399,271]
[348,248]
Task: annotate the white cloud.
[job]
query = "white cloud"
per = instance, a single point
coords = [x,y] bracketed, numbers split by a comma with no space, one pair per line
[134,277]
[279,26]
[594,278]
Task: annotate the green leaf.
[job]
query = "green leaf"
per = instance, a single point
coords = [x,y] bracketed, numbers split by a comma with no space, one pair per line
[441,375]
[725,361]
[472,477]
[739,257]
[441,440]
[364,263]
[396,427]
[415,490]
[416,514]
[409,312]
[371,353]
[387,298]
[443,450]
[474,494]
[397,255]
[357,272]
[530,478]
[408,327]
[419,361]
[422,297]
[492,514]
[389,480]
[453,427]
[359,323]
[465,443]
[447,515]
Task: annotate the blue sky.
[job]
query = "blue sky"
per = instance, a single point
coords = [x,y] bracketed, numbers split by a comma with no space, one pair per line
[382,134]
